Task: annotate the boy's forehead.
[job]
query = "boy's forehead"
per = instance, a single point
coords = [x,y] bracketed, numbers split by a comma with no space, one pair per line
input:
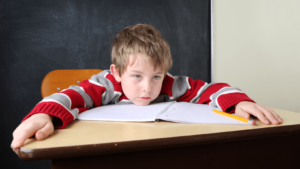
[138,58]
[139,61]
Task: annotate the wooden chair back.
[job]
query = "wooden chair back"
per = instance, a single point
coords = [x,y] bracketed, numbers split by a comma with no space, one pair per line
[58,80]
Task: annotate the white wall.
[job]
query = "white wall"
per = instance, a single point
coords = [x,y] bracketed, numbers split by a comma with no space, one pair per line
[257,49]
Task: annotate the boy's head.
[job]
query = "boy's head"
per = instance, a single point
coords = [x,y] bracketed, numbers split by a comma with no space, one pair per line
[141,58]
[143,39]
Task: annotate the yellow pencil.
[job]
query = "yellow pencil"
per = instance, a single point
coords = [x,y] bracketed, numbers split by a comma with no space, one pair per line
[236,117]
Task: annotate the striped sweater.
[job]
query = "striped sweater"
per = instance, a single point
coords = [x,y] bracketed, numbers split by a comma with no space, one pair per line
[103,89]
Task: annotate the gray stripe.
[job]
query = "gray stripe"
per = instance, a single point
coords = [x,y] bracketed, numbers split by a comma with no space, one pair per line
[75,113]
[161,98]
[220,92]
[180,86]
[87,99]
[206,86]
[115,99]
[124,102]
[61,98]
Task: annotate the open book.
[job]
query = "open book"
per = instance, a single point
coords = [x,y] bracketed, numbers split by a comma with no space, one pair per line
[181,112]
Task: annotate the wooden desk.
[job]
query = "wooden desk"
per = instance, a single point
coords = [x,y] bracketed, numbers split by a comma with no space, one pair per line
[95,144]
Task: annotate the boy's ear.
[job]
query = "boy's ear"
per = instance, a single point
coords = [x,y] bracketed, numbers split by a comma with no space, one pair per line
[115,72]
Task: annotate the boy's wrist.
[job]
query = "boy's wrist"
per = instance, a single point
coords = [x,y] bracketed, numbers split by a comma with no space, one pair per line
[61,117]
[44,114]
[229,102]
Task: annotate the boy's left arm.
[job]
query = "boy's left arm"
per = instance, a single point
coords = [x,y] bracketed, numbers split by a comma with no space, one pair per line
[221,95]
[265,115]
[231,99]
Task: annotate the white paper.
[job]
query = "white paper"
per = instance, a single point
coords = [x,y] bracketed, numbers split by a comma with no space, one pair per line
[126,112]
[181,112]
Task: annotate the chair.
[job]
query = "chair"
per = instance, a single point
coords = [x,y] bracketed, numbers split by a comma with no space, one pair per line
[58,80]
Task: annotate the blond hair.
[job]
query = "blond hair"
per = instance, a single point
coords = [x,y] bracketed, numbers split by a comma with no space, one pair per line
[144,39]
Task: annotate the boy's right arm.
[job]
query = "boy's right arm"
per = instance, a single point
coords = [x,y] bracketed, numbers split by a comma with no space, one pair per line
[65,106]
[39,125]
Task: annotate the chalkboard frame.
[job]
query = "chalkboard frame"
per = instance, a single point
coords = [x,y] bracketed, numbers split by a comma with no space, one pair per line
[37,37]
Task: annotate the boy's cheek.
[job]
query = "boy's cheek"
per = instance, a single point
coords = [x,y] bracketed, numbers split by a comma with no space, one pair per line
[157,91]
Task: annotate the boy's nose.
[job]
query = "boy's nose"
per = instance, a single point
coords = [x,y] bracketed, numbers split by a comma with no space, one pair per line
[147,87]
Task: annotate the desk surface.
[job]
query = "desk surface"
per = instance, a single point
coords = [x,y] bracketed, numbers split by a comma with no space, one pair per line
[84,138]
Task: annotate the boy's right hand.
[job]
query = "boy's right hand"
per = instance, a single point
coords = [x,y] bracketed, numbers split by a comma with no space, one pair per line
[39,125]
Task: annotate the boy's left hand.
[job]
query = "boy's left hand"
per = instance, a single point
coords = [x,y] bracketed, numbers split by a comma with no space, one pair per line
[265,115]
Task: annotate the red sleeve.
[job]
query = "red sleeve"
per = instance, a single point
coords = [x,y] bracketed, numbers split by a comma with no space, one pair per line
[226,101]
[64,111]
[63,115]
[185,89]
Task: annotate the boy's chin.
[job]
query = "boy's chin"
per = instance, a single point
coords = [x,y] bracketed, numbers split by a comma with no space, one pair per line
[141,103]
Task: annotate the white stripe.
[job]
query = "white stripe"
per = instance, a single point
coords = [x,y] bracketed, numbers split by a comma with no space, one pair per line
[75,113]
[123,100]
[171,98]
[227,92]
[170,75]
[82,88]
[117,93]
[95,83]
[187,81]
[106,74]
[52,100]
[85,92]
[198,93]
[210,98]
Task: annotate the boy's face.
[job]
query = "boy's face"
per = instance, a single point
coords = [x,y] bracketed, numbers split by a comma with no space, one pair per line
[140,82]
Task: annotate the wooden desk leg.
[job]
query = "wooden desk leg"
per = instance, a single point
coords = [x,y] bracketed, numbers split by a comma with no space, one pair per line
[274,152]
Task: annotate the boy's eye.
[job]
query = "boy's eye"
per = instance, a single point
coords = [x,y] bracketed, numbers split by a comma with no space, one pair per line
[156,77]
[137,76]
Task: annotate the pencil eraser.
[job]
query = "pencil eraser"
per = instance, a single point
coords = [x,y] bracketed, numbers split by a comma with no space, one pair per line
[253,122]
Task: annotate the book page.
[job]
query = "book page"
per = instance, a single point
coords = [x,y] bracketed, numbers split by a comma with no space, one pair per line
[184,112]
[126,112]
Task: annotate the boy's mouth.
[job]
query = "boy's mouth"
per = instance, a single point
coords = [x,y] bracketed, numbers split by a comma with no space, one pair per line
[145,98]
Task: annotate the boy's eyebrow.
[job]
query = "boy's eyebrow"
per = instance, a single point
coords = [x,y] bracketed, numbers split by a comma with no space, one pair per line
[136,71]
[159,72]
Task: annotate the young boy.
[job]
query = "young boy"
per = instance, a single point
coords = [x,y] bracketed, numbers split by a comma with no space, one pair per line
[141,59]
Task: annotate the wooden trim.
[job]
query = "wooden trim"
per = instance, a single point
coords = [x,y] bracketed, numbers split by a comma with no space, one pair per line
[153,144]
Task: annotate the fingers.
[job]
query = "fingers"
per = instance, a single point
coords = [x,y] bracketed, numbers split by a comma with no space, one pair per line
[259,114]
[44,132]
[270,114]
[265,115]
[242,113]
[276,116]
[23,132]
[38,124]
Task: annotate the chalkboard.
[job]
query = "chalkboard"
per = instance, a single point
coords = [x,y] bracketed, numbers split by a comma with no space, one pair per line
[38,36]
